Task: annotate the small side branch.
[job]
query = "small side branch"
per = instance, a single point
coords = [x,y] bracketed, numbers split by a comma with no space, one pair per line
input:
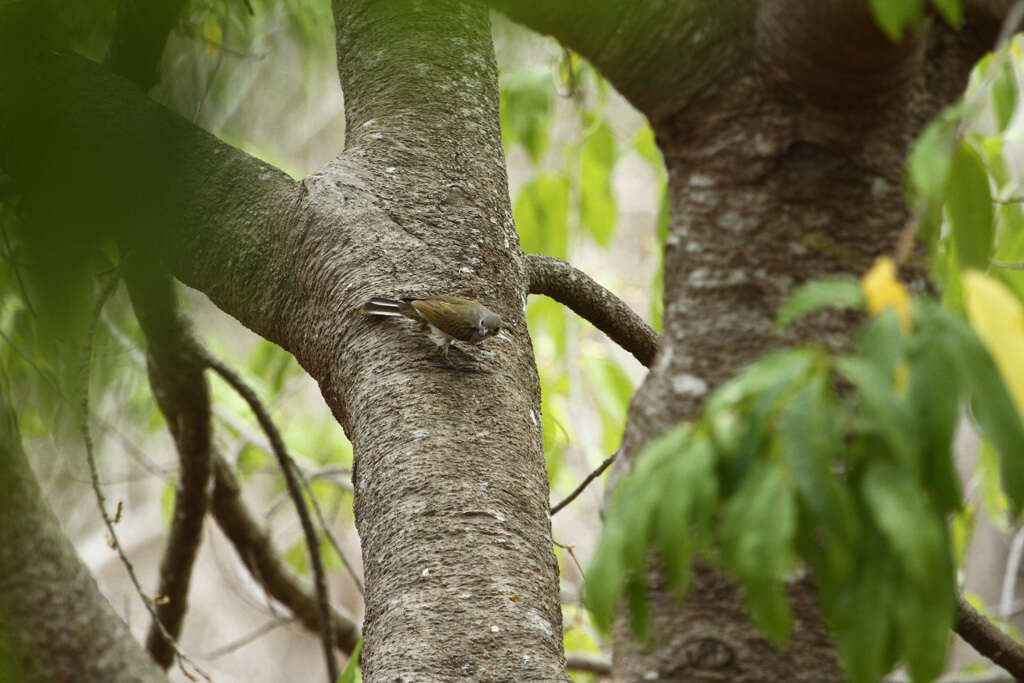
[256,552]
[988,640]
[585,483]
[565,284]
[288,469]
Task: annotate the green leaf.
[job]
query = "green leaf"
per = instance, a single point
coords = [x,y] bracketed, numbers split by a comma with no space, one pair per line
[893,16]
[809,440]
[1004,94]
[841,291]
[902,512]
[951,11]
[167,501]
[884,414]
[991,405]
[757,532]
[928,172]
[619,562]
[605,577]
[683,518]
[541,211]
[969,207]
[525,109]
[860,619]
[352,672]
[598,212]
[934,398]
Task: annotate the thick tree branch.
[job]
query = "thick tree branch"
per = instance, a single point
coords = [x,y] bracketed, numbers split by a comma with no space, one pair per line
[217,217]
[988,639]
[557,279]
[256,551]
[55,625]
[659,55]
[181,391]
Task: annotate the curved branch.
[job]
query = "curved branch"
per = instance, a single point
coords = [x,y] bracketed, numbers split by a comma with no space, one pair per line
[988,639]
[201,197]
[565,284]
[256,552]
[289,469]
[183,396]
[657,54]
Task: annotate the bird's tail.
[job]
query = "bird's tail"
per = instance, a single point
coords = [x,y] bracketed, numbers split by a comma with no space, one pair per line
[380,305]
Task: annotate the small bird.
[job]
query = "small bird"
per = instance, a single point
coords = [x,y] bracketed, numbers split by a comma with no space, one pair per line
[446,318]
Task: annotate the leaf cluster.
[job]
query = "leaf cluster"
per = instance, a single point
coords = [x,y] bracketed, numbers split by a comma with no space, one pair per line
[840,464]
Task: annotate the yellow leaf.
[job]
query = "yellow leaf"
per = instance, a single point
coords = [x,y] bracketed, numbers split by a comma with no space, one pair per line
[882,290]
[212,34]
[998,317]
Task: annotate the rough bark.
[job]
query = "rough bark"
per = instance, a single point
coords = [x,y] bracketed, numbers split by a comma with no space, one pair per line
[450,489]
[55,625]
[784,149]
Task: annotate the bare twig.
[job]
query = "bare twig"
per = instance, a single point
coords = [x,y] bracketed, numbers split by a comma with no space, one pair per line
[291,481]
[591,663]
[988,640]
[250,637]
[256,551]
[327,531]
[586,482]
[86,364]
[565,284]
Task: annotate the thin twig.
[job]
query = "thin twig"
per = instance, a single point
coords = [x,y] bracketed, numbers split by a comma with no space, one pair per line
[249,637]
[586,482]
[291,481]
[571,549]
[85,367]
[17,272]
[327,530]
[1011,574]
[256,552]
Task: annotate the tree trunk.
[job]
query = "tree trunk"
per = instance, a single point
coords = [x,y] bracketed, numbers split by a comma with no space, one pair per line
[784,126]
[55,625]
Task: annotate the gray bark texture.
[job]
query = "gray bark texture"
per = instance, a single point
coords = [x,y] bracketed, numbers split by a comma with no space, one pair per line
[451,495]
[55,625]
[784,126]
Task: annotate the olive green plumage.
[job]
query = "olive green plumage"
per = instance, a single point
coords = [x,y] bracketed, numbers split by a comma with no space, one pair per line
[446,318]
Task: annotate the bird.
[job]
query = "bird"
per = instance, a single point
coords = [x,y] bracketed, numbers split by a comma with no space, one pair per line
[445,318]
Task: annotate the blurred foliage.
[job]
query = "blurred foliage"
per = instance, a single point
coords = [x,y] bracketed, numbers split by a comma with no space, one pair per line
[843,463]
[784,466]
[558,115]
[896,16]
